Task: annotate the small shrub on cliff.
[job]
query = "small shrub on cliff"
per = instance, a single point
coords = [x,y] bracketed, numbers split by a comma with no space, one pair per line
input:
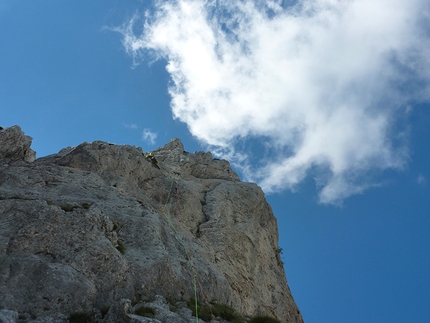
[80,317]
[203,311]
[120,247]
[227,313]
[145,311]
[85,205]
[172,304]
[115,226]
[68,207]
[264,319]
[104,310]
[22,318]
[218,310]
[278,253]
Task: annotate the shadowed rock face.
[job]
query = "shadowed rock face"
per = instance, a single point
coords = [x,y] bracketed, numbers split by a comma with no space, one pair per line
[97,224]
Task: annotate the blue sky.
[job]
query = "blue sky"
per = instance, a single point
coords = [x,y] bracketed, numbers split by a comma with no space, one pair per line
[324,103]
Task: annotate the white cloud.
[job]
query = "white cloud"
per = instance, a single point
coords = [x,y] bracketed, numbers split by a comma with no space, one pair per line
[322,84]
[149,136]
[130,126]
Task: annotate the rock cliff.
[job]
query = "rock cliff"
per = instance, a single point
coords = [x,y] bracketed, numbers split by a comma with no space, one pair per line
[98,229]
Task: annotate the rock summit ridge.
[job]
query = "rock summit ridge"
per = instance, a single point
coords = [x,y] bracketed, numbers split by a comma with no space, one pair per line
[98,229]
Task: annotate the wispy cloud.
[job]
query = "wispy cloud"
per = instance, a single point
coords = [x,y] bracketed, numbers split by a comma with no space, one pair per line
[130,126]
[321,85]
[149,136]
[421,180]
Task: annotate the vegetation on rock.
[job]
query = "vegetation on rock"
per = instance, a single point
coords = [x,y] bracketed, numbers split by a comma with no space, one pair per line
[145,311]
[80,317]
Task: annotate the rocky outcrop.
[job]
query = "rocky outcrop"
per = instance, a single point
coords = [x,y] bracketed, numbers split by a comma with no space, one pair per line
[98,226]
[15,146]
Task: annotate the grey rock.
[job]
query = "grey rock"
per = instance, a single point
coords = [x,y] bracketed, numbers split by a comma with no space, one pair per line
[15,146]
[98,226]
[163,312]
[8,316]
[120,312]
[48,319]
[142,319]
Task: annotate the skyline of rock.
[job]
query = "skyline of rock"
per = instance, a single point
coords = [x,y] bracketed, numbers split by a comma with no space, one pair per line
[97,224]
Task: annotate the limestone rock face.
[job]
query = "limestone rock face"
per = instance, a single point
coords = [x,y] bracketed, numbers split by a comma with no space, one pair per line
[98,226]
[15,146]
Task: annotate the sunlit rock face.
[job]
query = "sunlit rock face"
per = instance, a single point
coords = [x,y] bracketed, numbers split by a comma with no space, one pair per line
[98,229]
[15,146]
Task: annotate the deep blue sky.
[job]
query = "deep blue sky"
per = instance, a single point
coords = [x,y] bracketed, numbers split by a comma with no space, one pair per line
[66,78]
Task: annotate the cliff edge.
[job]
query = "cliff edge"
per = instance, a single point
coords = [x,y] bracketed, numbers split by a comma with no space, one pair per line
[98,229]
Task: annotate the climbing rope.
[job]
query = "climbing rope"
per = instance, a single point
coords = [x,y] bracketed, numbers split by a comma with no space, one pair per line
[193,271]
[191,257]
[178,237]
